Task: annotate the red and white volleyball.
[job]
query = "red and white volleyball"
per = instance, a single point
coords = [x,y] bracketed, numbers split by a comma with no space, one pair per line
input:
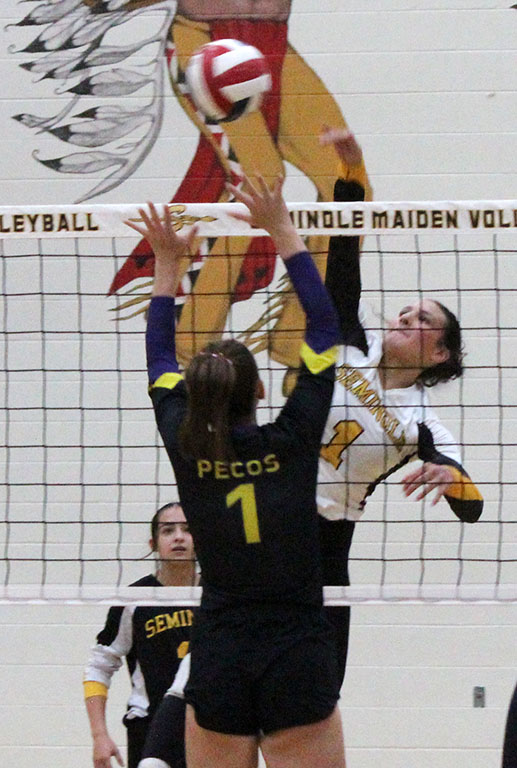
[227,79]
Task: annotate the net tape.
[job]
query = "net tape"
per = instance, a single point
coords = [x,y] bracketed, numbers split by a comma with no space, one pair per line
[188,596]
[214,220]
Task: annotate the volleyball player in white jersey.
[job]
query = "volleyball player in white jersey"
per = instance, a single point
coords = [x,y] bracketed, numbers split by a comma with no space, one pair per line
[380,417]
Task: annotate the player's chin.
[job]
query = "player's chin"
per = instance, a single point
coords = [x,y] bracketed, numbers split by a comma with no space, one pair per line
[179,555]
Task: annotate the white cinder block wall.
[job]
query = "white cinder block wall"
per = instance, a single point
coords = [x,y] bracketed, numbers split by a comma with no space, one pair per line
[430,88]
[407,700]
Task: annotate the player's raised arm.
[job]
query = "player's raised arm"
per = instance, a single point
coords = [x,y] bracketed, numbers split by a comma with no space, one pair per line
[169,250]
[343,275]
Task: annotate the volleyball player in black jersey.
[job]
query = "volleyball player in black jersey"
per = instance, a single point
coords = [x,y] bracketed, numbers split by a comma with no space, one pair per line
[263,660]
[152,639]
[510,735]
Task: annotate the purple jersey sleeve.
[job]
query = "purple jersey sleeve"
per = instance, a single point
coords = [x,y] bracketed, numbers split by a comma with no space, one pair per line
[322,330]
[159,338]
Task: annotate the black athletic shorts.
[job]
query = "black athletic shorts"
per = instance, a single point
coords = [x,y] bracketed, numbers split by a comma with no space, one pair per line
[335,540]
[166,735]
[261,669]
[137,728]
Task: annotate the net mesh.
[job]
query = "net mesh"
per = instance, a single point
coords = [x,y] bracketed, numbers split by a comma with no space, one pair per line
[84,467]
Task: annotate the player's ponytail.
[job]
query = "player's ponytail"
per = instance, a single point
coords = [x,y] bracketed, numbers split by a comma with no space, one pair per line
[452,368]
[222,385]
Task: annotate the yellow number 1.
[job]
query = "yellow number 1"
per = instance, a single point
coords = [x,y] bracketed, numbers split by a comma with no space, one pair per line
[245,493]
[345,432]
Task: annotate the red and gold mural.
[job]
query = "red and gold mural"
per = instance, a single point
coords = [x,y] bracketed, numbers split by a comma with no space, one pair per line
[109,137]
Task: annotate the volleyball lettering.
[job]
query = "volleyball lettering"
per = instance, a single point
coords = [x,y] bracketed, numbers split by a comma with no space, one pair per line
[227,79]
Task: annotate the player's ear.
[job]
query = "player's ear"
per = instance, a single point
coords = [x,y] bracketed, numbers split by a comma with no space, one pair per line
[441,354]
[152,545]
[261,392]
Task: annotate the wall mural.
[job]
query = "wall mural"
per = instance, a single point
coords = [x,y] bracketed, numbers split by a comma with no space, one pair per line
[73,46]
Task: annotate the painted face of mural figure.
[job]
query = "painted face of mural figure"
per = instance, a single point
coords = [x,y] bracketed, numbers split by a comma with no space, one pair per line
[207,10]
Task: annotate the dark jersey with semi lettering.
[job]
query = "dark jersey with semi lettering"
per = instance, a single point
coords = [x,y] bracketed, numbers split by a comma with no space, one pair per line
[153,640]
[254,520]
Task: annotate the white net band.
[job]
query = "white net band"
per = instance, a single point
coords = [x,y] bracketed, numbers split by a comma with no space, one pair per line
[214,220]
[188,596]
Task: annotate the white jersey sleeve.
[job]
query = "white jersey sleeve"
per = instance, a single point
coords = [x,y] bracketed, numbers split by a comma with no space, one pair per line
[104,660]
[443,440]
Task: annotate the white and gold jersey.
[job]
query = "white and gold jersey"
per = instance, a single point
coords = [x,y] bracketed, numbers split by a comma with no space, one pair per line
[370,432]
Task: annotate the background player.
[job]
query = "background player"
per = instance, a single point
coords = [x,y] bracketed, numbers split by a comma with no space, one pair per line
[381,417]
[153,641]
[263,660]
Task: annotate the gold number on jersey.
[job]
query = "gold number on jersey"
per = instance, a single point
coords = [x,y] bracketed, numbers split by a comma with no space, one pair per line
[182,649]
[245,493]
[345,432]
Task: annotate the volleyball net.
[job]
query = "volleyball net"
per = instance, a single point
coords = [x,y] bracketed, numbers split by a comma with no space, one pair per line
[84,468]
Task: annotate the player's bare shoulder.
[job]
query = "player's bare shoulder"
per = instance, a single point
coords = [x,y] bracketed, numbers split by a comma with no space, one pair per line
[208,10]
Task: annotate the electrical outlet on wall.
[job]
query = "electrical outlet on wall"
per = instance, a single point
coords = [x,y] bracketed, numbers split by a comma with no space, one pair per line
[479,697]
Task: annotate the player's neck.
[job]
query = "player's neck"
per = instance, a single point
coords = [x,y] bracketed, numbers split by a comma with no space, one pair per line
[393,377]
[177,573]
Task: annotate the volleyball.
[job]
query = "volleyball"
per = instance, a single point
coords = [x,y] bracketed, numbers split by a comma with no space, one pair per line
[227,79]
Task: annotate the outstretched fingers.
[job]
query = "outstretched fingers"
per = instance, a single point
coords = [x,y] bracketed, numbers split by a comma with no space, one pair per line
[260,199]
[191,236]
[428,478]
[150,218]
[158,229]
[241,197]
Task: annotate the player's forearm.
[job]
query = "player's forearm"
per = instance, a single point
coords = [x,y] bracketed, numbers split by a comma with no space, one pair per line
[354,173]
[165,281]
[159,337]
[322,330]
[343,275]
[463,496]
[287,241]
[96,710]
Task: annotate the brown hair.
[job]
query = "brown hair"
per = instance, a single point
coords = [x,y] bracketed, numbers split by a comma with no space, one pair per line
[155,522]
[222,385]
[452,368]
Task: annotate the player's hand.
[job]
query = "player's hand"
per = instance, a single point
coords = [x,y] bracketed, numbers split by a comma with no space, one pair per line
[168,246]
[159,232]
[267,210]
[429,477]
[104,748]
[344,142]
[266,206]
